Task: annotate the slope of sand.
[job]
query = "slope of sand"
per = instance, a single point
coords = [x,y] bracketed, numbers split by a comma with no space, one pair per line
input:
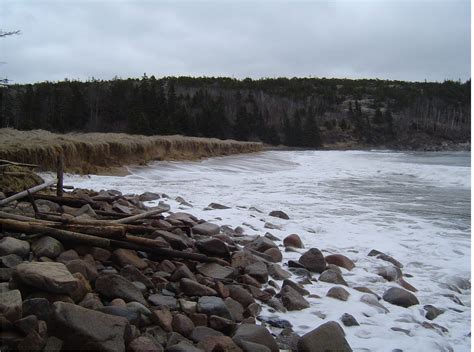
[106,153]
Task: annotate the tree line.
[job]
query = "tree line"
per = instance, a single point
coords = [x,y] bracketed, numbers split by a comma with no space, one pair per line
[303,112]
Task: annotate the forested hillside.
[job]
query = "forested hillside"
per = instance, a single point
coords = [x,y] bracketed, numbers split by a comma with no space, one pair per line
[305,112]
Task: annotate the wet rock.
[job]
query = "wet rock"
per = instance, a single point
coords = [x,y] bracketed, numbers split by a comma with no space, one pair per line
[116,286]
[261,244]
[372,301]
[313,260]
[349,320]
[235,308]
[274,254]
[216,271]
[193,288]
[241,295]
[338,293]
[258,271]
[221,324]
[276,322]
[47,246]
[255,334]
[50,277]
[213,306]
[128,257]
[332,277]
[295,265]
[293,240]
[138,308]
[366,290]
[301,290]
[87,269]
[213,246]
[10,260]
[248,346]
[167,266]
[163,301]
[276,304]
[292,300]
[400,297]
[217,206]
[249,280]
[175,240]
[279,214]
[390,259]
[148,196]
[374,253]
[201,332]
[218,343]
[406,285]
[11,305]
[276,272]
[206,229]
[432,312]
[144,344]
[242,259]
[271,237]
[182,325]
[441,329]
[102,331]
[199,319]
[27,324]
[132,317]
[326,337]
[340,260]
[270,226]
[83,288]
[11,245]
[389,273]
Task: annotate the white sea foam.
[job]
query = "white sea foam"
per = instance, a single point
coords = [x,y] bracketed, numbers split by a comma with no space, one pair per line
[414,207]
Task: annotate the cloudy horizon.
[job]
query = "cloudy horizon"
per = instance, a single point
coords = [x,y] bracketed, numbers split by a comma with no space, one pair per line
[397,40]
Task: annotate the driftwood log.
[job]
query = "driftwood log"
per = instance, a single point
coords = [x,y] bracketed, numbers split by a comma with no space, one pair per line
[23,194]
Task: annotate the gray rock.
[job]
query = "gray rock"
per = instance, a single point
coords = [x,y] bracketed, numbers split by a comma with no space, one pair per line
[217,206]
[193,288]
[163,301]
[389,272]
[258,271]
[10,260]
[216,271]
[206,229]
[372,300]
[235,308]
[27,324]
[292,300]
[255,334]
[279,214]
[131,273]
[144,344]
[11,305]
[332,277]
[11,245]
[390,259]
[261,244]
[300,289]
[182,325]
[89,329]
[241,295]
[326,337]
[340,260]
[213,246]
[349,320]
[313,260]
[50,277]
[213,306]
[176,241]
[293,240]
[338,293]
[432,312]
[148,196]
[83,267]
[40,307]
[47,246]
[400,297]
[132,316]
[116,286]
[277,272]
[248,346]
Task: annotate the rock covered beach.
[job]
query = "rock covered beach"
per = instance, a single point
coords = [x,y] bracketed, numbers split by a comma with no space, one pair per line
[61,295]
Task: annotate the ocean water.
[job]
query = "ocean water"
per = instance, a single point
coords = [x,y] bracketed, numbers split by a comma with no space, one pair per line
[412,206]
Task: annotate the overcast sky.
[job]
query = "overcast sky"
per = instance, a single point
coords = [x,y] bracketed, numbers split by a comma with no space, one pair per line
[387,39]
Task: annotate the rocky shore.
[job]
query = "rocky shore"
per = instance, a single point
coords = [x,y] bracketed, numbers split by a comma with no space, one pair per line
[66,295]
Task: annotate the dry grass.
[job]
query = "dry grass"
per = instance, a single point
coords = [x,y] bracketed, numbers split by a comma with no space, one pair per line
[98,152]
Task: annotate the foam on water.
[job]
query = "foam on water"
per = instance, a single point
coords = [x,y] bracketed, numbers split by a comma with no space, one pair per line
[414,207]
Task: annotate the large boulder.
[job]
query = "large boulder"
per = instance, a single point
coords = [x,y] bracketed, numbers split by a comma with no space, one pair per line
[47,246]
[256,334]
[116,286]
[326,337]
[293,240]
[11,305]
[11,245]
[89,329]
[400,297]
[313,260]
[48,276]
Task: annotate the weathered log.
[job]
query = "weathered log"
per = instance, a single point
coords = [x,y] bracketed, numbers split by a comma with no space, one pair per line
[5,215]
[62,235]
[115,232]
[60,168]
[17,164]
[146,241]
[142,216]
[69,201]
[23,194]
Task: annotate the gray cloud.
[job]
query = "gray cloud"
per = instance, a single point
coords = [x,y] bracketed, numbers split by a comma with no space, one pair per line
[386,39]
